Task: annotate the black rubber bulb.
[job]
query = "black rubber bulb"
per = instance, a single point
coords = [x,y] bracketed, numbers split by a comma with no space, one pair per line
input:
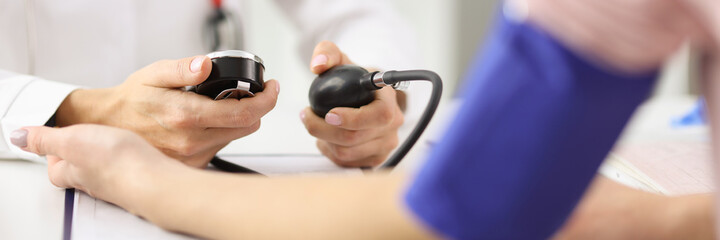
[341,86]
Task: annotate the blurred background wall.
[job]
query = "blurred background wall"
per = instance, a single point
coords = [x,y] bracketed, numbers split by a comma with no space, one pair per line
[448,34]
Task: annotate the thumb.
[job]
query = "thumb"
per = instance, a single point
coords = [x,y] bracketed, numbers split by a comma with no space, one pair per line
[39,140]
[327,55]
[176,73]
[45,141]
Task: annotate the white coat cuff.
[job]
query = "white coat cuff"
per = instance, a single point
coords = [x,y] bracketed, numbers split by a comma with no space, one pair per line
[33,106]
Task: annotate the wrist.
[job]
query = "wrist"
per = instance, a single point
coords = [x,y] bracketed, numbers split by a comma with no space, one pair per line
[82,106]
[138,186]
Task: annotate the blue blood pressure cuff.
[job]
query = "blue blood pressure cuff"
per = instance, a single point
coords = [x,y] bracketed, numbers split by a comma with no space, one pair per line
[536,122]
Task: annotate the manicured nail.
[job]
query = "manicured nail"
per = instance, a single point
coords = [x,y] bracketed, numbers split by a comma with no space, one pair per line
[318,60]
[196,64]
[19,137]
[332,119]
[302,115]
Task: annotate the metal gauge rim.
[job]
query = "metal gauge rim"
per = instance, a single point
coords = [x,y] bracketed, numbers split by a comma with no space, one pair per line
[236,54]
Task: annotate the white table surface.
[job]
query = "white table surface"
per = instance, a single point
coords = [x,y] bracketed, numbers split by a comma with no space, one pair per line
[30,207]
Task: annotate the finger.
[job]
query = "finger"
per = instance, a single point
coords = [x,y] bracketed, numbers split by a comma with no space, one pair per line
[233,113]
[45,140]
[176,73]
[371,153]
[225,135]
[202,159]
[317,127]
[325,56]
[379,113]
[194,143]
[57,172]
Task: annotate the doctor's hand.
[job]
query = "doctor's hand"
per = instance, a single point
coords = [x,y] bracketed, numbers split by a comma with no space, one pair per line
[354,137]
[184,125]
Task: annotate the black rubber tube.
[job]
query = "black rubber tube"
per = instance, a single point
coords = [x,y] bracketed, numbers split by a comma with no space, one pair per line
[392,77]
[226,166]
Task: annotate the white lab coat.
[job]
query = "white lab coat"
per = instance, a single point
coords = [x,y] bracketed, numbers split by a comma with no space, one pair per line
[49,48]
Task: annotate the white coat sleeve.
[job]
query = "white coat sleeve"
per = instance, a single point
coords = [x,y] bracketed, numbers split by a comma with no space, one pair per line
[370,32]
[26,101]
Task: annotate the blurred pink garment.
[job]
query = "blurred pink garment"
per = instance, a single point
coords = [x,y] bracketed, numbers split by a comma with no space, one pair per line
[631,36]
[707,12]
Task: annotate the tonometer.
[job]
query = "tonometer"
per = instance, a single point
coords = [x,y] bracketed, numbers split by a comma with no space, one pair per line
[238,74]
[353,86]
[235,74]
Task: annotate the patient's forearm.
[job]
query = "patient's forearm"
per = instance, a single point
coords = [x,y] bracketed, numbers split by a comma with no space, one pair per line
[610,210]
[695,217]
[221,206]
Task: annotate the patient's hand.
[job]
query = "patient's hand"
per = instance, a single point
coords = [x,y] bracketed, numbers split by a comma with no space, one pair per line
[184,125]
[354,137]
[95,159]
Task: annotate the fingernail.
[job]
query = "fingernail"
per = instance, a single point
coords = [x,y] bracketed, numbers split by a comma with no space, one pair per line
[302,115]
[318,60]
[196,64]
[19,137]
[332,119]
[277,87]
